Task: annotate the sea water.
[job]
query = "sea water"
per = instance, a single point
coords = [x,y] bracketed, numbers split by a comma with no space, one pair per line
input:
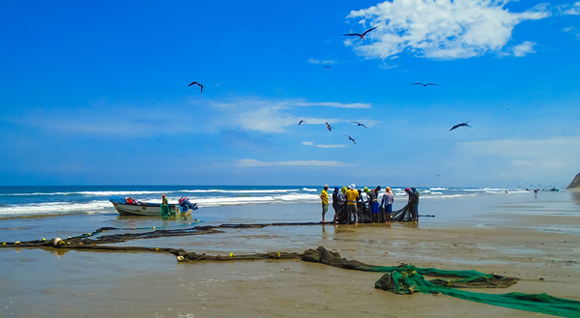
[23,201]
[32,213]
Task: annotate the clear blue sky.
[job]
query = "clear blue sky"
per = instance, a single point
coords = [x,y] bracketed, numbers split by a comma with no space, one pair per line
[96,92]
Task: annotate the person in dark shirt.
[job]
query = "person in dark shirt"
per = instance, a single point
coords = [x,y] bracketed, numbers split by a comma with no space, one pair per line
[413,203]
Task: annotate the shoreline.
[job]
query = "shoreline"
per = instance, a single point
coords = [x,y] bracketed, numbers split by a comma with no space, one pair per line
[500,236]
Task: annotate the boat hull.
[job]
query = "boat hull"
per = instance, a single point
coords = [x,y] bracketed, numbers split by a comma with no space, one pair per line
[152,210]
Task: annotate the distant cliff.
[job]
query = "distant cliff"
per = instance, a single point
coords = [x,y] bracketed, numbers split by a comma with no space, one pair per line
[575,183]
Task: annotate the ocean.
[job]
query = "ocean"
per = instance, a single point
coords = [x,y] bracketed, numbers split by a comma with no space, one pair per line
[27,201]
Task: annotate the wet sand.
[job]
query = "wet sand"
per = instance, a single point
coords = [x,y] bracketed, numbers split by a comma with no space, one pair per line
[534,239]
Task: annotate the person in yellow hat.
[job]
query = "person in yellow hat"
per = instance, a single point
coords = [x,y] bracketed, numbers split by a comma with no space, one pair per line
[351,210]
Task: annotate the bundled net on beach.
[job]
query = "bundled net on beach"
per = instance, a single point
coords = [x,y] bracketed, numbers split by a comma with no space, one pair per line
[403,279]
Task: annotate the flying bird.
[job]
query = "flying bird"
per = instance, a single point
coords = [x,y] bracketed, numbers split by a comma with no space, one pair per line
[159,140]
[300,122]
[460,125]
[362,36]
[196,83]
[359,124]
[326,66]
[328,126]
[350,138]
[425,85]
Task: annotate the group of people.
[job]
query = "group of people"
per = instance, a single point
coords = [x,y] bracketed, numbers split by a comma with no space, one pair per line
[351,207]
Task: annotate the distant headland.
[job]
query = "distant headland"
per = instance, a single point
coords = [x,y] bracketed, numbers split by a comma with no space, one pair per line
[575,183]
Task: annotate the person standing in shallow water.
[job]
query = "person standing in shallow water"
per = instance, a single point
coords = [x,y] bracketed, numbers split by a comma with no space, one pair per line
[351,210]
[387,204]
[341,200]
[164,206]
[324,198]
[413,203]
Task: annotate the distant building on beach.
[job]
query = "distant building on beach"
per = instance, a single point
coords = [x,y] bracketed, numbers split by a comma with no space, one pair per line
[575,183]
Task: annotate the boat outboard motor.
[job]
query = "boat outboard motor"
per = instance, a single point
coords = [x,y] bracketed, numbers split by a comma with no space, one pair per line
[185,204]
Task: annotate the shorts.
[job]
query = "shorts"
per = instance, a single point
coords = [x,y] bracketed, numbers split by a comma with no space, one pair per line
[389,208]
[324,208]
[375,207]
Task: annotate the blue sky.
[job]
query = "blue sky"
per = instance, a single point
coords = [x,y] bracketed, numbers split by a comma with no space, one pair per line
[96,93]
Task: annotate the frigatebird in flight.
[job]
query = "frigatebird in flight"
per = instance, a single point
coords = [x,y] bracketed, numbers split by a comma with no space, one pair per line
[300,122]
[196,83]
[460,125]
[424,85]
[326,66]
[328,126]
[359,124]
[362,36]
[350,138]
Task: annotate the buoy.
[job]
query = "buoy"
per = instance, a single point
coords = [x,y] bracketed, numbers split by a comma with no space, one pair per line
[69,237]
[180,258]
[43,239]
[278,254]
[154,228]
[58,242]
[89,234]
[3,243]
[157,249]
[231,254]
[17,243]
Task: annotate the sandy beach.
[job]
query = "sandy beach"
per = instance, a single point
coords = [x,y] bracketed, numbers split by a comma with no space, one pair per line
[533,238]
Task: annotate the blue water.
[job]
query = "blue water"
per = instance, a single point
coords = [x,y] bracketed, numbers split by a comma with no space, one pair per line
[26,201]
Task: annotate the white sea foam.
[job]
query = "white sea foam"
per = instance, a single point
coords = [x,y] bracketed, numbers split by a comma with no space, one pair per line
[53,208]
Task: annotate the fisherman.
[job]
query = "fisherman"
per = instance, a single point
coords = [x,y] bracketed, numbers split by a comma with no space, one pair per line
[335,204]
[324,198]
[351,211]
[341,200]
[387,204]
[373,205]
[164,206]
[413,203]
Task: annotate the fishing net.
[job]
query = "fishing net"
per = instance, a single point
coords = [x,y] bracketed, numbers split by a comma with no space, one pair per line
[402,279]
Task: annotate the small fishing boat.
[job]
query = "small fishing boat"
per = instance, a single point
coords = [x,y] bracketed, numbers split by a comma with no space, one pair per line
[128,206]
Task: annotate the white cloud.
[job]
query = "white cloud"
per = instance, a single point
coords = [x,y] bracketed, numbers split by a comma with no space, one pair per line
[309,143]
[247,163]
[572,30]
[523,49]
[313,61]
[574,10]
[439,29]
[554,153]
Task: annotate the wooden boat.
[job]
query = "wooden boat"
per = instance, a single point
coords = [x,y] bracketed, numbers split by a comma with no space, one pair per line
[143,208]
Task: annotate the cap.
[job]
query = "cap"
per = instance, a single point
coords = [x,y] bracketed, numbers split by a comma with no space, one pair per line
[366,189]
[407,189]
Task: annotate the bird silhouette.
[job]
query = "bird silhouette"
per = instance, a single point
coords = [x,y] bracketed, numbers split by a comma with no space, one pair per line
[460,125]
[159,140]
[326,66]
[425,85]
[362,36]
[300,122]
[359,124]
[350,138]
[328,126]
[438,175]
[196,83]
